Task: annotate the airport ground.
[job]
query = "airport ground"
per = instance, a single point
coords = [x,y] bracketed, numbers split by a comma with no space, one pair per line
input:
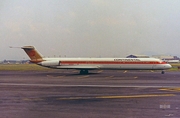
[64,94]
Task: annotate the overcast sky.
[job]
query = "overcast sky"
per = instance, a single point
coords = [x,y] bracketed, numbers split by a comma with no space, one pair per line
[90,28]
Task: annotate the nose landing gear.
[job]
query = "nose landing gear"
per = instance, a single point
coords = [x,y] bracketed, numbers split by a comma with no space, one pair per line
[84,72]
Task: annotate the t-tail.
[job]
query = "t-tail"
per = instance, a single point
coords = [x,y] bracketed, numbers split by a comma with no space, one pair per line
[33,54]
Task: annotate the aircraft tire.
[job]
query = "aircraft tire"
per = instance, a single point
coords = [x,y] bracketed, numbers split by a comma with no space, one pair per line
[83,72]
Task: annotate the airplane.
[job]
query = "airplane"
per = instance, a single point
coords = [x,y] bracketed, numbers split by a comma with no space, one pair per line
[86,64]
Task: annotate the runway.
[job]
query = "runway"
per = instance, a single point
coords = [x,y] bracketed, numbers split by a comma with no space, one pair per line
[65,93]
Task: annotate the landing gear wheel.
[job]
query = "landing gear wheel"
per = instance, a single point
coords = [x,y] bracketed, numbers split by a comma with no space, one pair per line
[163,72]
[83,72]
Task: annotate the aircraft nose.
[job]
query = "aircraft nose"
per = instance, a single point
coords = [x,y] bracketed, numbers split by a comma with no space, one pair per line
[168,66]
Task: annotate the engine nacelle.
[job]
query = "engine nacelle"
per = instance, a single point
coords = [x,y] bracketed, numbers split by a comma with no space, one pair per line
[50,63]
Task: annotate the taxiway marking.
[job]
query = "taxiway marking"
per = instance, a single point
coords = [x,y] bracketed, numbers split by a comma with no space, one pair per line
[32,99]
[117,97]
[100,71]
[101,97]
[109,76]
[90,85]
[84,77]
[125,71]
[170,89]
[60,76]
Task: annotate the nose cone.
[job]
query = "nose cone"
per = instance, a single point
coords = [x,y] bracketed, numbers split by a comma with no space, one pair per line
[168,66]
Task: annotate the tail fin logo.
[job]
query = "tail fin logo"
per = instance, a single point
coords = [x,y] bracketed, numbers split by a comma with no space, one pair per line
[32,53]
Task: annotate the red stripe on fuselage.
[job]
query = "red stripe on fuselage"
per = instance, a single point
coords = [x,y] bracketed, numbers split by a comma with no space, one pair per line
[110,62]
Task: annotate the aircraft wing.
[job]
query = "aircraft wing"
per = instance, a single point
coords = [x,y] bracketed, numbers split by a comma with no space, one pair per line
[79,67]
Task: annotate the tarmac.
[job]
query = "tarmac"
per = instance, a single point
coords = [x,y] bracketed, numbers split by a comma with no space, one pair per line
[101,94]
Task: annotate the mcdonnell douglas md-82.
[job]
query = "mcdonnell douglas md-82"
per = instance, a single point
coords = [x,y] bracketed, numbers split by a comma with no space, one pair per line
[85,64]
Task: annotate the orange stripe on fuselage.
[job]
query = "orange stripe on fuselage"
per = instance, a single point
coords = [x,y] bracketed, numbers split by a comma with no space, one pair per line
[110,62]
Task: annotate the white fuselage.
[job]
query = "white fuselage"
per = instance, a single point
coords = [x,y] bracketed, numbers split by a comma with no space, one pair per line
[105,63]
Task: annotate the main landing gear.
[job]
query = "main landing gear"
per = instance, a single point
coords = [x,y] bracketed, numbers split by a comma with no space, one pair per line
[84,72]
[162,72]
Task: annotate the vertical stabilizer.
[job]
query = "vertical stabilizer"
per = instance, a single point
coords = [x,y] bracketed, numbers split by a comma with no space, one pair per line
[33,54]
